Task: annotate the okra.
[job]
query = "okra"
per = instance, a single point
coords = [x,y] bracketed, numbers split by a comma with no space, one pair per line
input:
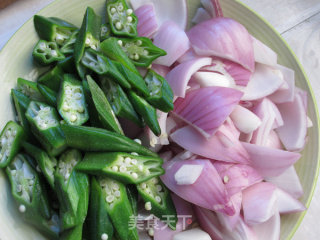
[67,65]
[48,94]
[103,107]
[71,101]
[146,111]
[92,139]
[124,167]
[30,89]
[141,50]
[111,48]
[68,46]
[46,163]
[72,189]
[158,201]
[98,220]
[46,53]
[89,36]
[74,233]
[119,101]
[31,197]
[11,138]
[52,78]
[161,95]
[105,31]
[53,29]
[45,126]
[118,207]
[133,198]
[122,20]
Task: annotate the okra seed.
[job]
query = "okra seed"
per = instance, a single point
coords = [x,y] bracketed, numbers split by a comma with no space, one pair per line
[94,47]
[78,96]
[67,176]
[31,182]
[134,161]
[137,140]
[66,107]
[104,236]
[129,11]
[19,188]
[73,118]
[129,19]
[13,172]
[8,133]
[159,188]
[117,193]
[115,169]
[155,180]
[158,199]
[104,29]
[136,56]
[145,52]
[226,179]
[80,110]
[143,185]
[120,7]
[127,160]
[120,42]
[148,206]
[113,10]
[22,208]
[110,199]
[140,167]
[151,232]
[139,42]
[123,169]
[132,56]
[3,141]
[134,175]
[119,25]
[42,46]
[54,53]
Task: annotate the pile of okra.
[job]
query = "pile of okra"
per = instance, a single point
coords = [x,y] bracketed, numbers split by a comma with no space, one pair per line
[73,173]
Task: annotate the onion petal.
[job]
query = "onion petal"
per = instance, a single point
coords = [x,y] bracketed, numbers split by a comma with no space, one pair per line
[263,54]
[287,203]
[245,120]
[147,22]
[201,15]
[268,230]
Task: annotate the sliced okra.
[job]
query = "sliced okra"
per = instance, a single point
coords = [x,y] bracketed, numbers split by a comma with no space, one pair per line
[74,233]
[52,78]
[133,197]
[48,94]
[98,220]
[11,138]
[103,107]
[105,31]
[119,101]
[30,89]
[68,46]
[118,206]
[161,95]
[45,126]
[46,53]
[124,167]
[158,200]
[146,111]
[72,189]
[30,196]
[89,36]
[46,163]
[53,29]
[122,20]
[67,65]
[92,139]
[71,101]
[140,50]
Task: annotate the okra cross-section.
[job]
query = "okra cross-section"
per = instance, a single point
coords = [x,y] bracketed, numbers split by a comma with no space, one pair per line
[71,101]
[122,20]
[30,89]
[72,189]
[44,122]
[158,200]
[124,167]
[46,53]
[11,138]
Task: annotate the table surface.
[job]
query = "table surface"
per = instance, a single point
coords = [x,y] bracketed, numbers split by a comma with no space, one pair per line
[298,22]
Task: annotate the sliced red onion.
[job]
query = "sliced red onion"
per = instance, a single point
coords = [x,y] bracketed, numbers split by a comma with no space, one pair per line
[225,38]
[207,108]
[208,191]
[270,162]
[212,79]
[223,146]
[294,130]
[200,16]
[269,230]
[173,40]
[166,10]
[232,128]
[263,54]
[264,81]
[241,232]
[189,55]
[179,76]
[287,203]
[194,233]
[147,22]
[166,156]
[245,120]
[288,181]
[273,140]
[237,177]
[259,203]
[188,174]
[160,69]
[283,95]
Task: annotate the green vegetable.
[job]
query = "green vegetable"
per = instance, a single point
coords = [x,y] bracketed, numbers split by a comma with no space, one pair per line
[46,53]
[124,167]
[30,89]
[52,78]
[96,139]
[67,65]
[71,101]
[11,138]
[73,233]
[68,46]
[48,94]
[133,197]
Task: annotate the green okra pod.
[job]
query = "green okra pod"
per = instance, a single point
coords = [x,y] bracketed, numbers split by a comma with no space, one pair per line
[71,101]
[52,78]
[46,53]
[105,31]
[72,188]
[48,94]
[92,139]
[158,200]
[146,111]
[68,46]
[124,167]
[30,89]
[74,233]
[67,65]
[133,198]
[103,107]
[45,126]
[11,138]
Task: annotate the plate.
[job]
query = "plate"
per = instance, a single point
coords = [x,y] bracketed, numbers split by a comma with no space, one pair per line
[16,61]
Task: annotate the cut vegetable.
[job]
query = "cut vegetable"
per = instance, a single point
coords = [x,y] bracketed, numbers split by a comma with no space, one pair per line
[188,174]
